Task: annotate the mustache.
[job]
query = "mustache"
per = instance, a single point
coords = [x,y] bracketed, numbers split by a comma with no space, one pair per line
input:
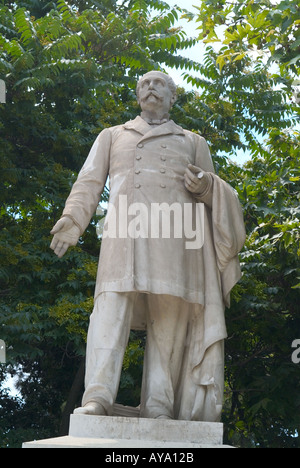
[152,93]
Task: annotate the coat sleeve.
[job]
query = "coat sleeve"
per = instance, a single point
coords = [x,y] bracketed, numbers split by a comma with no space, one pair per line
[203,158]
[85,195]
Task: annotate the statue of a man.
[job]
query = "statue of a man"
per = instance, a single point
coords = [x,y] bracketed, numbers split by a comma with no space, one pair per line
[146,278]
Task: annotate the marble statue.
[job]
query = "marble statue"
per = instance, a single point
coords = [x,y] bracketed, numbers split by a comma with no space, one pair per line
[154,278]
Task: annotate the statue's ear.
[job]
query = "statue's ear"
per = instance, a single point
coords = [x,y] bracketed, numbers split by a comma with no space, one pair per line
[173,99]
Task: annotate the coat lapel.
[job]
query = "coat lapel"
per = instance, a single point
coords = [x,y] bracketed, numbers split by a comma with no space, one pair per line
[148,131]
[138,124]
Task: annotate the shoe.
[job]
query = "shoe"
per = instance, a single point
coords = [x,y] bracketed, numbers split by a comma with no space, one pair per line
[92,408]
[163,416]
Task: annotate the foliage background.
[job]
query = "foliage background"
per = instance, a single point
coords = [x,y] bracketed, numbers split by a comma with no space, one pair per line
[70,71]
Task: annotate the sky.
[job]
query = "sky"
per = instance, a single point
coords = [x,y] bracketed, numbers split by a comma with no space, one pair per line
[190,27]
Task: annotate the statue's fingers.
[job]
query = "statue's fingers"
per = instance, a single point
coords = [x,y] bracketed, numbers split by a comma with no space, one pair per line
[190,179]
[63,250]
[194,169]
[187,184]
[61,223]
[58,247]
[53,243]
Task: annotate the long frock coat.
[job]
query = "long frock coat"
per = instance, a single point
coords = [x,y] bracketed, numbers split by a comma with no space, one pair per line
[145,165]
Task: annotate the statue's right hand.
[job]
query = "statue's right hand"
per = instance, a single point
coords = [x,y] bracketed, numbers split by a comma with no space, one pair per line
[66,233]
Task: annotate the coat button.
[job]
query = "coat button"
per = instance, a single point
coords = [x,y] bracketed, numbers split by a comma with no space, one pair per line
[163,185]
[137,171]
[138,157]
[163,145]
[137,185]
[162,170]
[140,145]
[163,158]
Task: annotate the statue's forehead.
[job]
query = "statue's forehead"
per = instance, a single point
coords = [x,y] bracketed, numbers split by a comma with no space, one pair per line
[155,75]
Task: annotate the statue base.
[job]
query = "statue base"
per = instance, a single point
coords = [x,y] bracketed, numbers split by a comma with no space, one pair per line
[112,432]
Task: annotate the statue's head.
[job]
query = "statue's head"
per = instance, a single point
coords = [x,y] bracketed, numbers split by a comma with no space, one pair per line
[156,88]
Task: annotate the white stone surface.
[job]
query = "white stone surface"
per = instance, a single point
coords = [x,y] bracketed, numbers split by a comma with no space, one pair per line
[81,442]
[122,432]
[162,430]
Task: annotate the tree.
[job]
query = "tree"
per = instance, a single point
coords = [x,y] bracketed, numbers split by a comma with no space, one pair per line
[263,384]
[70,71]
[254,71]
[261,29]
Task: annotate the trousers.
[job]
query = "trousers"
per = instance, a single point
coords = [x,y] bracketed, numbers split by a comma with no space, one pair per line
[108,334]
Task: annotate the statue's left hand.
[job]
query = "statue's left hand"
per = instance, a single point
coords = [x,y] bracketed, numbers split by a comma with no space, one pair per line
[195,179]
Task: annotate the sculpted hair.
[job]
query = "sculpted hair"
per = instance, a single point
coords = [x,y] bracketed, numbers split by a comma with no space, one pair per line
[170,82]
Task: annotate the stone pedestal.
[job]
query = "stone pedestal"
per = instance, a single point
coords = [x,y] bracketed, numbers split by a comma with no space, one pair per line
[124,432]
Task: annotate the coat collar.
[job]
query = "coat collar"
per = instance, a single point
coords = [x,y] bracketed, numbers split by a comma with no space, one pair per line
[142,127]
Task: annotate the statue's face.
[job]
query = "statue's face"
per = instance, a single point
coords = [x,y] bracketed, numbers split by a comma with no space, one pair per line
[154,93]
